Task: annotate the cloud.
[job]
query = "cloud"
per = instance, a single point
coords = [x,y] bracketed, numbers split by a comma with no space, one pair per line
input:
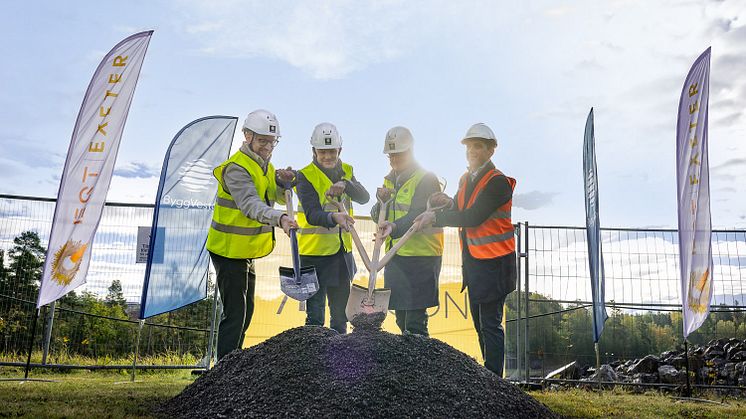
[137,169]
[327,39]
[730,164]
[533,200]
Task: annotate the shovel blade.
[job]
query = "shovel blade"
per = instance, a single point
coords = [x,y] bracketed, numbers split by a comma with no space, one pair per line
[301,288]
[358,303]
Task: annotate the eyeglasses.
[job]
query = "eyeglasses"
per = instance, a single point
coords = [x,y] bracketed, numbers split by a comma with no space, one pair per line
[261,142]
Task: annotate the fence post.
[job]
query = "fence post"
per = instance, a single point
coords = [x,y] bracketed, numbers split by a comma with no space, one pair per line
[31,343]
[211,335]
[526,357]
[48,332]
[137,349]
[518,306]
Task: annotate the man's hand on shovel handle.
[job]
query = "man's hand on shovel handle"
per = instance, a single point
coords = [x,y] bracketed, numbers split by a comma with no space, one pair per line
[337,189]
[424,220]
[385,229]
[384,194]
[343,220]
[287,224]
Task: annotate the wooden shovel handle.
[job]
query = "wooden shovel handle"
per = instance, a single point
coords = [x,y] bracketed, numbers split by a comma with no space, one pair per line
[355,237]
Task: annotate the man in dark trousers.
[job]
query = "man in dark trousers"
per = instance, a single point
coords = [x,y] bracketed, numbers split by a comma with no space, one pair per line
[412,274]
[324,240]
[243,222]
[481,210]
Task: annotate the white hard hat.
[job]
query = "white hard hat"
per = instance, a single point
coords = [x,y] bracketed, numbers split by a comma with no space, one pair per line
[480,131]
[398,139]
[263,123]
[325,136]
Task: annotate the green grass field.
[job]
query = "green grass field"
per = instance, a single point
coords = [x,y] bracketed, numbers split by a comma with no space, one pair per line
[82,394]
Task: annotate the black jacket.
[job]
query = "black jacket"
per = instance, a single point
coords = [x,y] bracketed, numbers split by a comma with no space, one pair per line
[487,279]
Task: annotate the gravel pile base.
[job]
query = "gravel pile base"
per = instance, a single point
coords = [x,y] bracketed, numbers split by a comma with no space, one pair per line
[315,372]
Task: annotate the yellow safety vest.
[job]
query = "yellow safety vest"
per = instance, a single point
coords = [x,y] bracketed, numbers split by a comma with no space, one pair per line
[427,242]
[232,234]
[316,240]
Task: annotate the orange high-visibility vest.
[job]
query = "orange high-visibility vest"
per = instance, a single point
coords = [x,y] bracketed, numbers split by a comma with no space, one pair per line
[494,237]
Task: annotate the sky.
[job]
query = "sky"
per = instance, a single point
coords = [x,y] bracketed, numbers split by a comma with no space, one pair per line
[531,70]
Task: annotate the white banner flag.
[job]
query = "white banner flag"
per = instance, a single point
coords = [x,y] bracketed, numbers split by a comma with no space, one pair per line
[88,168]
[695,225]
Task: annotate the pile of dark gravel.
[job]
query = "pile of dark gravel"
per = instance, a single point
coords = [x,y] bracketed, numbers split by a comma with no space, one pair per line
[315,372]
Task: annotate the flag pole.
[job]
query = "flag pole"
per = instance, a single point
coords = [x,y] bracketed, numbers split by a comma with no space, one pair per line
[31,344]
[686,357]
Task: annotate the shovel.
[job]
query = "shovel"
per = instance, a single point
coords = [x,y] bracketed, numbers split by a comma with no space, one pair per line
[298,282]
[368,300]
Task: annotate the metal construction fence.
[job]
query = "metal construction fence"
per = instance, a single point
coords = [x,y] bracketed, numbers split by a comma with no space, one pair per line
[547,326]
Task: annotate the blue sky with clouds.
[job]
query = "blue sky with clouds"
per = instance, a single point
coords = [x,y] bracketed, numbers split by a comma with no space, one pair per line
[531,70]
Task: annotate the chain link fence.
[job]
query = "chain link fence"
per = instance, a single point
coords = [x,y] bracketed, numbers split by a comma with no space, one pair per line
[546,327]
[642,295]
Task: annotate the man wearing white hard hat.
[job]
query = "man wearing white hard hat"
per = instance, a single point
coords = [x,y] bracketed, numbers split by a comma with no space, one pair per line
[412,274]
[243,222]
[481,209]
[324,240]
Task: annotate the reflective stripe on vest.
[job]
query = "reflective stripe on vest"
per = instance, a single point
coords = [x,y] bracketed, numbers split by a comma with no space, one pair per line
[316,240]
[232,234]
[495,237]
[427,242]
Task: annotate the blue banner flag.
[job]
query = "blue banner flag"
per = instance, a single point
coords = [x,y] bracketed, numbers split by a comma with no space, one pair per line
[593,229]
[176,271]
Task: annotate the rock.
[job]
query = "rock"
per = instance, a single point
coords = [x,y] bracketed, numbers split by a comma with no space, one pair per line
[670,375]
[737,356]
[312,371]
[714,352]
[644,378]
[678,362]
[741,369]
[605,373]
[742,381]
[707,374]
[647,365]
[728,371]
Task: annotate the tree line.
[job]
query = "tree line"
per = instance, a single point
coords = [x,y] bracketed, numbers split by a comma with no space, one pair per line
[557,333]
[109,329]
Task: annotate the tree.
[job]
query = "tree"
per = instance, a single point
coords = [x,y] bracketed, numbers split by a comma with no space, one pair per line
[27,261]
[115,296]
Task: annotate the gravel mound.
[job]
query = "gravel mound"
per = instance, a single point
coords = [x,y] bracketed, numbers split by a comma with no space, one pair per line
[314,372]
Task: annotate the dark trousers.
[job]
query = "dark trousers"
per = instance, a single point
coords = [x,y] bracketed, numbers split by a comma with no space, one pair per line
[236,282]
[412,321]
[316,307]
[488,322]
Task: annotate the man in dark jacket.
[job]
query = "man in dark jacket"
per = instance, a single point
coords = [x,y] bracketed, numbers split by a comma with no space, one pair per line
[324,240]
[481,209]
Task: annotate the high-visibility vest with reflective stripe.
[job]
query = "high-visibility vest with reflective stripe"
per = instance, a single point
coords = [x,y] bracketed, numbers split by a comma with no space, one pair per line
[494,237]
[317,240]
[232,234]
[427,242]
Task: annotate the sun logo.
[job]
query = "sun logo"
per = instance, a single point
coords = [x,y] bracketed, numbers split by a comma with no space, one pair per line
[67,260]
[699,292]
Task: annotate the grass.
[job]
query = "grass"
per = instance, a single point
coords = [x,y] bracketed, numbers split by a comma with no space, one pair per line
[167,358]
[108,394]
[621,404]
[82,394]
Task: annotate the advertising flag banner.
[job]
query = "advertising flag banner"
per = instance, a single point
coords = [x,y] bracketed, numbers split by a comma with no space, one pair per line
[177,261]
[90,162]
[593,229]
[692,175]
